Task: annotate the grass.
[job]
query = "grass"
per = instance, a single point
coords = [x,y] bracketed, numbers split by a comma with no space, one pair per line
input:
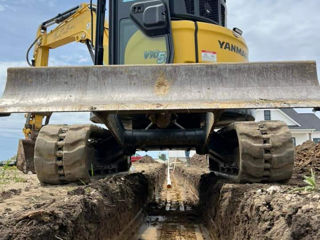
[9,173]
[311,184]
[83,182]
[9,161]
[92,171]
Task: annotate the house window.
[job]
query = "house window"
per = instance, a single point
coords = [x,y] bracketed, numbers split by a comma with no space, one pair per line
[267,115]
[294,141]
[316,140]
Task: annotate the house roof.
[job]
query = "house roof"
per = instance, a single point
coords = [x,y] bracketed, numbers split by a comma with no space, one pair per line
[306,120]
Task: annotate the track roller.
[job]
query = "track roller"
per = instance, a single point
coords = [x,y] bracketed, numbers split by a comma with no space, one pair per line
[253,152]
[66,154]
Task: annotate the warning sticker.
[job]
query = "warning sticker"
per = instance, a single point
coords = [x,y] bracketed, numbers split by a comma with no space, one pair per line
[208,56]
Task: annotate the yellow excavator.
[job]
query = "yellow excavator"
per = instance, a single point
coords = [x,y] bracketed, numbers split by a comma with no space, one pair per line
[174,77]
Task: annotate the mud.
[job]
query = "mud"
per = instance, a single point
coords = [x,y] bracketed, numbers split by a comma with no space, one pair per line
[100,210]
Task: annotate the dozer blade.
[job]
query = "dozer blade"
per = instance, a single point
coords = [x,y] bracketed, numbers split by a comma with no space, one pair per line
[192,87]
[25,155]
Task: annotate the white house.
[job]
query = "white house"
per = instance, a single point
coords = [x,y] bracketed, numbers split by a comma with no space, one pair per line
[303,126]
[178,154]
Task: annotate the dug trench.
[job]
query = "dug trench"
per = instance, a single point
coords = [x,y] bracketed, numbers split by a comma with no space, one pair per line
[140,206]
[108,208]
[258,211]
[135,205]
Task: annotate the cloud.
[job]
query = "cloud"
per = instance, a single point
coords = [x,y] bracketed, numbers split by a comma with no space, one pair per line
[11,127]
[11,132]
[78,54]
[7,6]
[278,30]
[70,118]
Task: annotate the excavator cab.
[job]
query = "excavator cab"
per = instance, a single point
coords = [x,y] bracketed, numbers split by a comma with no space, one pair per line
[140,33]
[159,32]
[180,79]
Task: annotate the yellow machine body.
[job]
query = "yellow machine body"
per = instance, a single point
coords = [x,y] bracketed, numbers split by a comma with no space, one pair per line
[208,43]
[76,28]
[212,43]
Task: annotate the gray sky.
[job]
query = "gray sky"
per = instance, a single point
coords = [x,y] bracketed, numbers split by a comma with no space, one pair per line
[275,30]
[278,30]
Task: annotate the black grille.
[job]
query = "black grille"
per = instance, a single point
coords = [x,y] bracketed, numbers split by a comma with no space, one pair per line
[190,6]
[223,15]
[210,9]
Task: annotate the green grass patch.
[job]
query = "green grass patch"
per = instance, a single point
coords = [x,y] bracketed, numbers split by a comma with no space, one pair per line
[10,174]
[311,184]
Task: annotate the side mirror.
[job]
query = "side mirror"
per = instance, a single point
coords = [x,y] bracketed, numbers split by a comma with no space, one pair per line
[152,17]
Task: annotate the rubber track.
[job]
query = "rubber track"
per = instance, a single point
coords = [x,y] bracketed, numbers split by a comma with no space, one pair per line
[62,154]
[66,154]
[265,153]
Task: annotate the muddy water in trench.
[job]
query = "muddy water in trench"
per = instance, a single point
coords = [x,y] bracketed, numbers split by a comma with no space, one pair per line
[173,216]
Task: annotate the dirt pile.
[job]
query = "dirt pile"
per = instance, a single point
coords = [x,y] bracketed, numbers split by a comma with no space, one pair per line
[264,212]
[104,209]
[199,161]
[307,157]
[146,159]
[254,211]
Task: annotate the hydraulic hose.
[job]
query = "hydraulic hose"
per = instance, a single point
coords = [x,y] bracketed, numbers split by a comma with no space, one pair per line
[28,52]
